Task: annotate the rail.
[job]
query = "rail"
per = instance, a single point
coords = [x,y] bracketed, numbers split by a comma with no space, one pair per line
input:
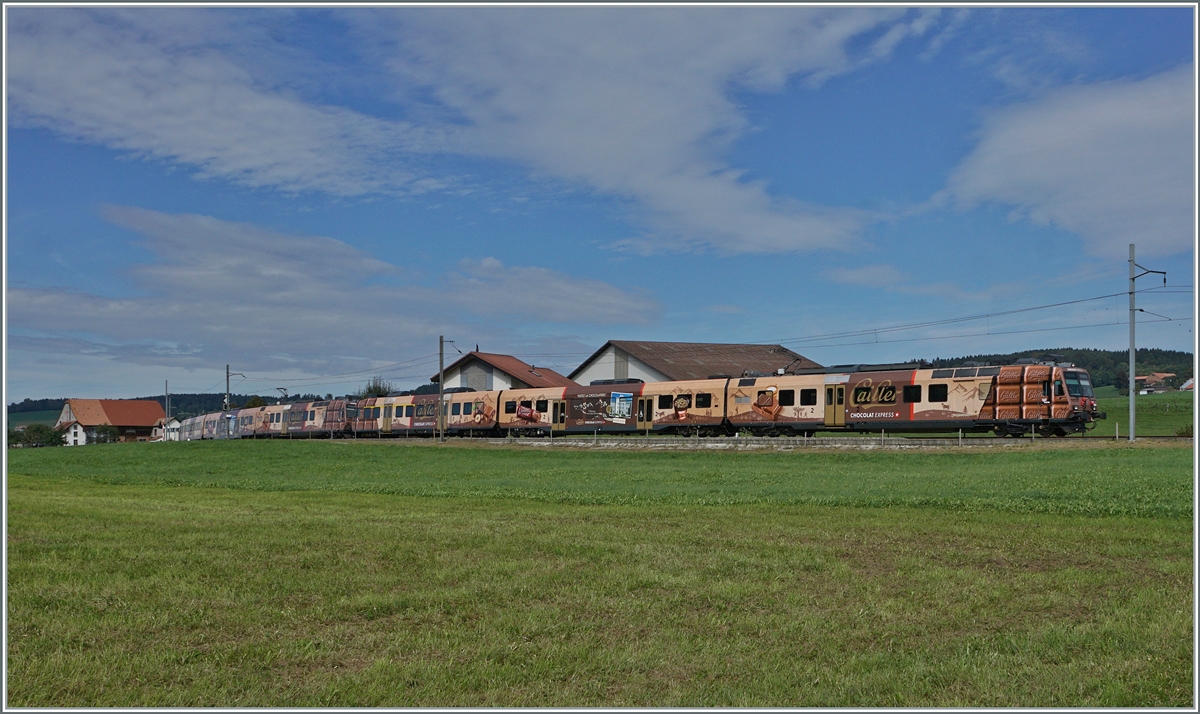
[660,441]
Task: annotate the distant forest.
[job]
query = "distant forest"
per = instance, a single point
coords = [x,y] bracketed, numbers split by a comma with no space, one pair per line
[1107,367]
[182,405]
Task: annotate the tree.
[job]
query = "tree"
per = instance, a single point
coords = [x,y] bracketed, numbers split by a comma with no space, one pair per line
[255,401]
[106,434]
[376,387]
[43,435]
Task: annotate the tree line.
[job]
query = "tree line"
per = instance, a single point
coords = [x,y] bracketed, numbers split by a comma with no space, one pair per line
[1107,367]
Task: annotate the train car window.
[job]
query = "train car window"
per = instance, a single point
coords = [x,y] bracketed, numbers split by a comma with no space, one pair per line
[939,392]
[942,374]
[528,403]
[862,395]
[887,394]
[1078,384]
[787,397]
[808,397]
[682,401]
[989,371]
[387,412]
[455,409]
[542,405]
[376,412]
[467,408]
[664,401]
[829,396]
[965,372]
[1058,388]
[985,390]
[510,407]
[312,416]
[420,410]
[408,410]
[703,401]
[746,382]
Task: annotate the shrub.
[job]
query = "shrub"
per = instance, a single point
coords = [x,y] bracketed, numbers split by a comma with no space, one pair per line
[1184,431]
[106,434]
[42,435]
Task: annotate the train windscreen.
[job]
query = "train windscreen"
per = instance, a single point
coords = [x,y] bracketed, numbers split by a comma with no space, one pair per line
[1079,385]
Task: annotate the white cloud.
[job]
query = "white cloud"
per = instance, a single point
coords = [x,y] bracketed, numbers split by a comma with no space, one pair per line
[637,103]
[139,81]
[1112,162]
[877,276]
[222,292]
[488,287]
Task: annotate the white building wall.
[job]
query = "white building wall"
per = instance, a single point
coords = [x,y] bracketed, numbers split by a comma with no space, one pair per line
[605,366]
[65,417]
[496,379]
[76,436]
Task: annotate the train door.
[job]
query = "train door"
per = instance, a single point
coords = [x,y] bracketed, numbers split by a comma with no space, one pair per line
[385,426]
[645,414]
[835,404]
[558,416]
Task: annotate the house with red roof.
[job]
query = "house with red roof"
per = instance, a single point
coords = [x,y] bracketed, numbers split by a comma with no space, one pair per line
[134,419]
[484,371]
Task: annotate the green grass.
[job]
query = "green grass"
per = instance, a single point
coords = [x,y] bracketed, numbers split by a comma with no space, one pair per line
[47,417]
[1111,481]
[1157,414]
[380,574]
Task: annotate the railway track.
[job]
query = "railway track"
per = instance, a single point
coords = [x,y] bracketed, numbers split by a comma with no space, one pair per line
[662,442]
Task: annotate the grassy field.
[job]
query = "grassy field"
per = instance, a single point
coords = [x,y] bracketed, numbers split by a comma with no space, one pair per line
[386,574]
[43,417]
[1157,414]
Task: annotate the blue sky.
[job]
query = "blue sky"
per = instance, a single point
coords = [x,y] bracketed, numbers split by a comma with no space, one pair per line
[313,196]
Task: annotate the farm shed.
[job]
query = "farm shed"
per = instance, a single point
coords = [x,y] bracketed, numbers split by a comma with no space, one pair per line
[483,371]
[676,361]
[134,419]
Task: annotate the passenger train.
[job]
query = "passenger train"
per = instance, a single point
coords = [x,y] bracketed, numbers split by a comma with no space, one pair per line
[1049,398]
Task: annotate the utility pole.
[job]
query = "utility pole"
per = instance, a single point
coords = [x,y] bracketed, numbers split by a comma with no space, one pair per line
[1132,333]
[441,424]
[166,401]
[441,418]
[227,373]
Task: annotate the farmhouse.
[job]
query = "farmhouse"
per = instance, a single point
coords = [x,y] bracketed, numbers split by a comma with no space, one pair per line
[674,361]
[134,419]
[484,371]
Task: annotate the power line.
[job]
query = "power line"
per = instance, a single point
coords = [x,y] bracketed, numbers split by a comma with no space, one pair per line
[947,321]
[990,333]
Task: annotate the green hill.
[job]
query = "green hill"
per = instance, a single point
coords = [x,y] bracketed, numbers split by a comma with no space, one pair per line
[1107,367]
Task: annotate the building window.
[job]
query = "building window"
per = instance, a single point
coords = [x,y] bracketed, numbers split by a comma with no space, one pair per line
[808,397]
[703,401]
[939,392]
[787,397]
